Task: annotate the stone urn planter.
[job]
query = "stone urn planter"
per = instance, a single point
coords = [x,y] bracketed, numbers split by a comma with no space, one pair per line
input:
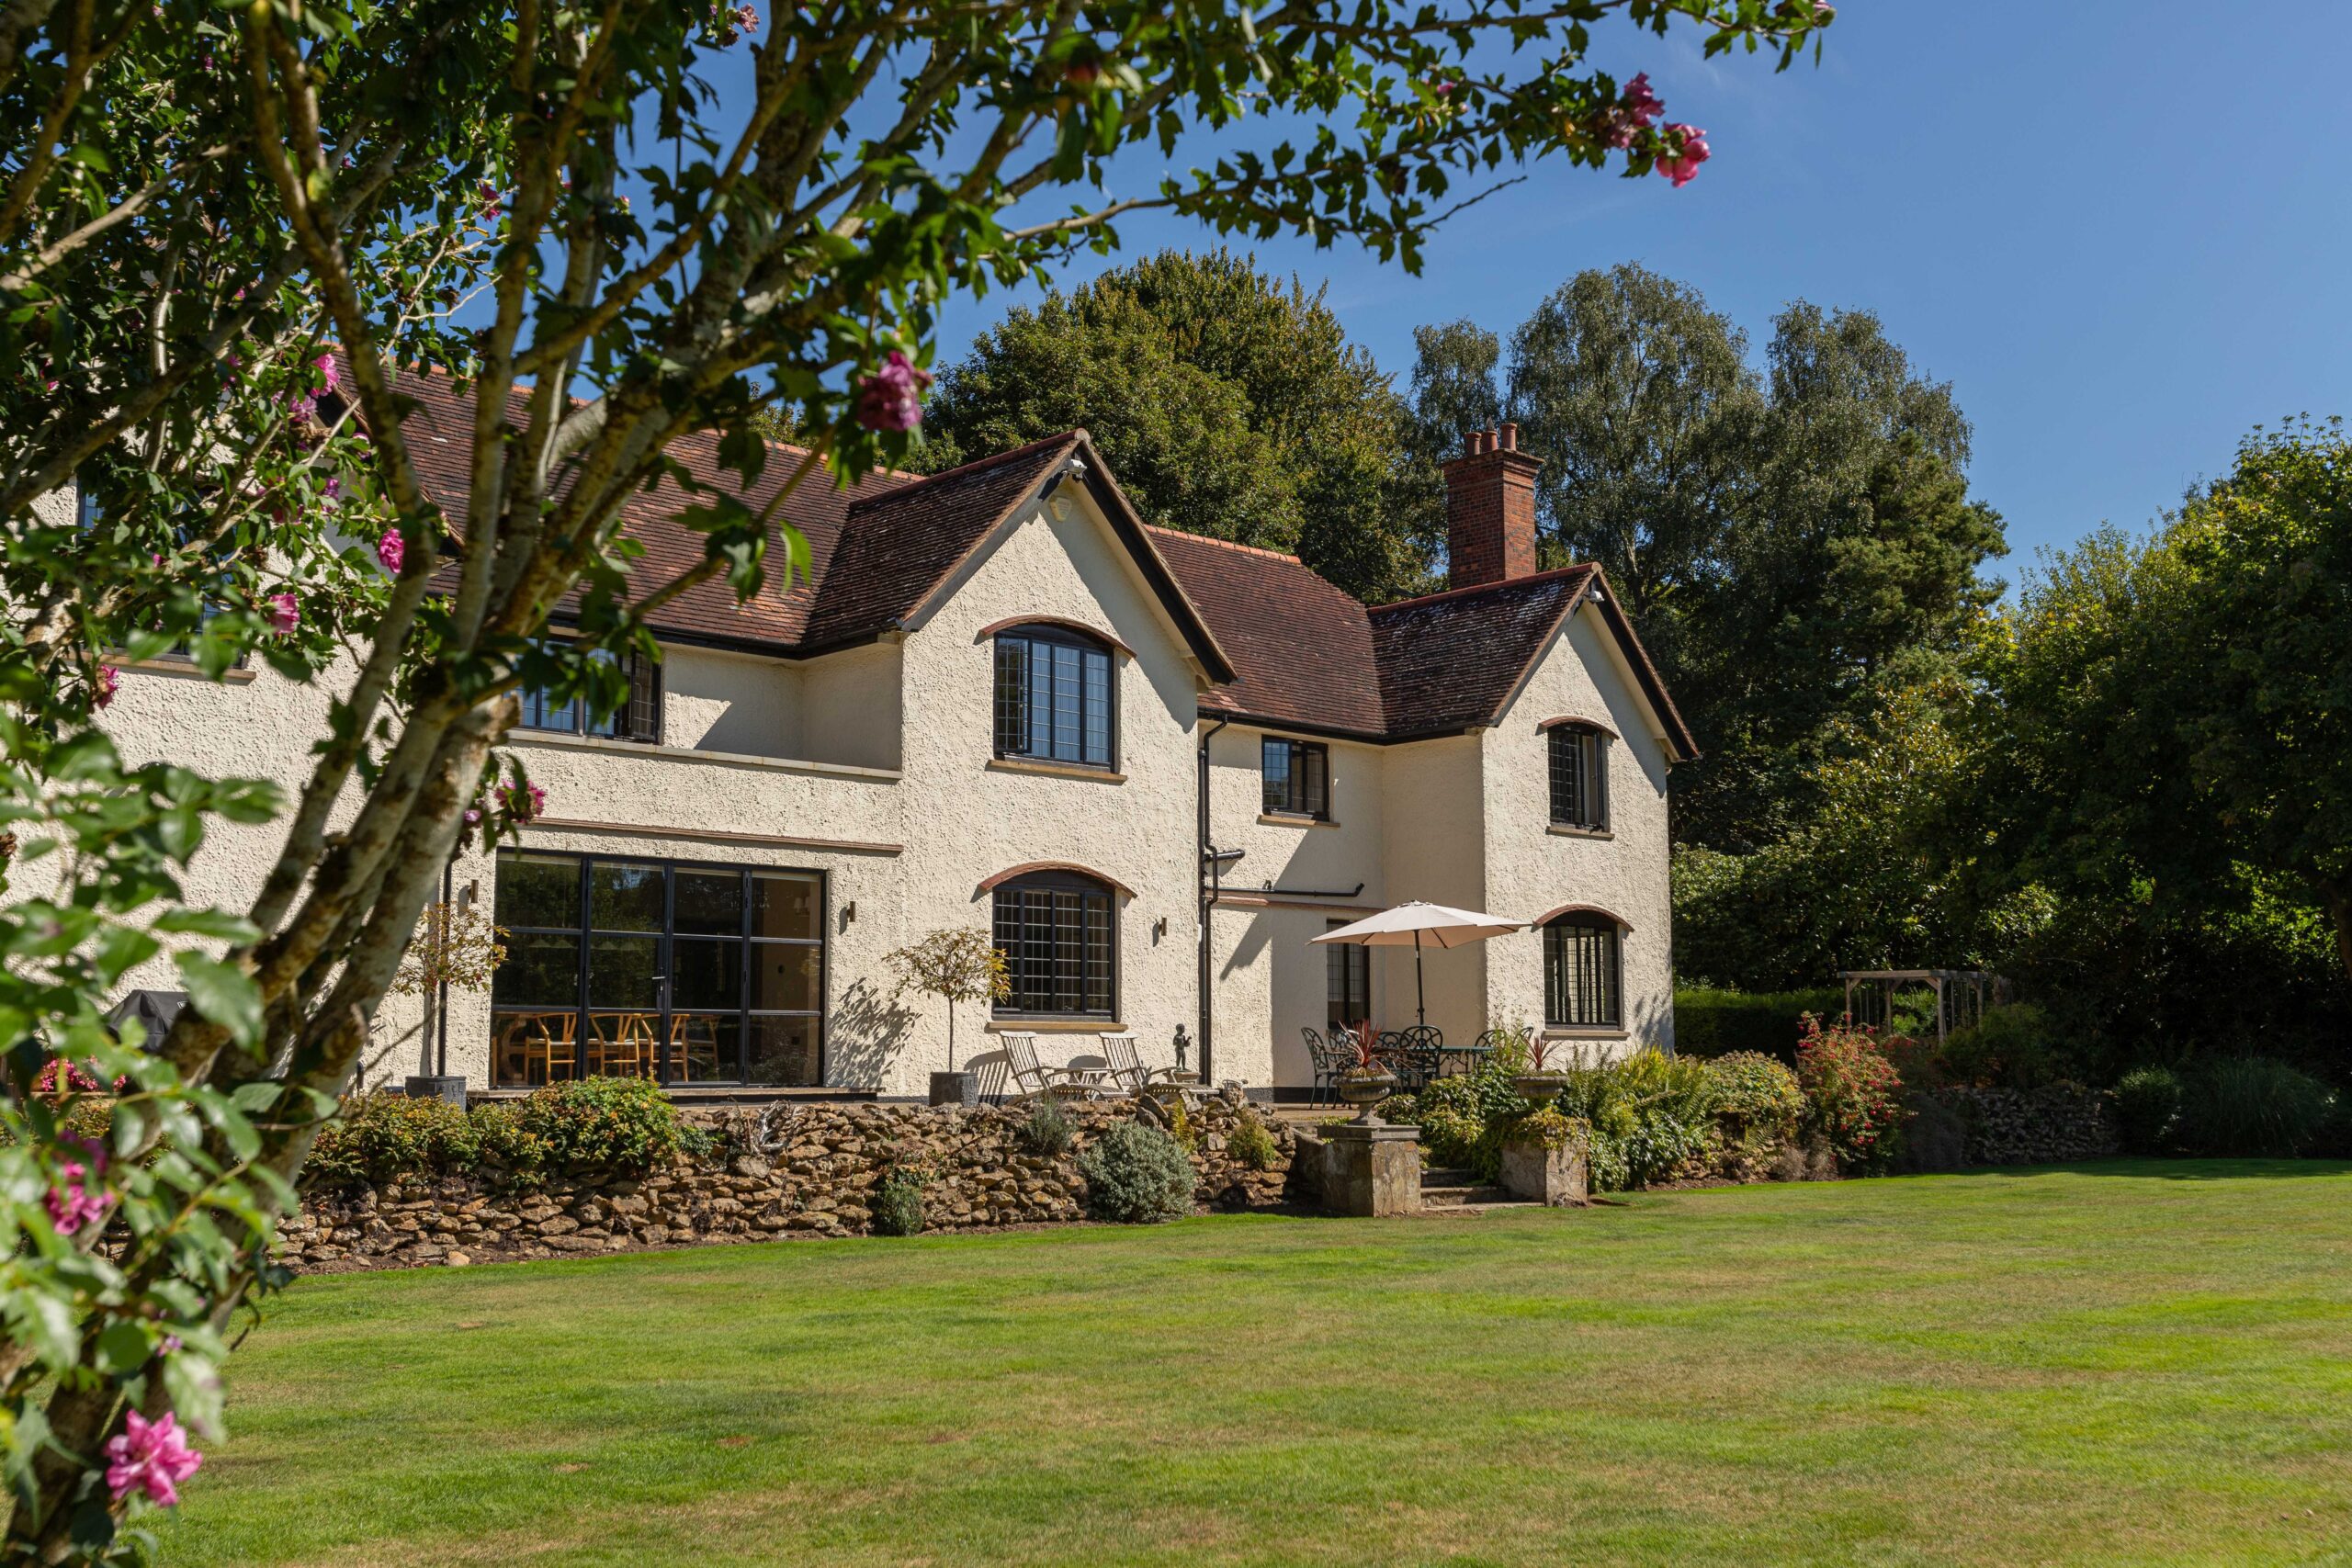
[1365,1088]
[1540,1089]
[955,1088]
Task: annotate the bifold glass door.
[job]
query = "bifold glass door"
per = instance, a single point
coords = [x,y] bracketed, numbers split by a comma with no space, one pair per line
[693,975]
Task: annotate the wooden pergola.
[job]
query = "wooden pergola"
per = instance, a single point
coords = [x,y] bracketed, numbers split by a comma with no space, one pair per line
[1962,995]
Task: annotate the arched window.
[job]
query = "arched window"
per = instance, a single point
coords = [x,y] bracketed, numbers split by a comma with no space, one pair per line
[1053,697]
[1058,930]
[1581,972]
[1579,775]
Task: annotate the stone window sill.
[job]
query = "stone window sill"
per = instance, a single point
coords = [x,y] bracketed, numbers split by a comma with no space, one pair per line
[1293,819]
[1055,770]
[187,669]
[1562,830]
[1054,1026]
[1570,1032]
[521,737]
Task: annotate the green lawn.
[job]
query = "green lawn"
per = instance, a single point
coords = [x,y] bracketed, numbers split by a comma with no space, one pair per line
[2125,1363]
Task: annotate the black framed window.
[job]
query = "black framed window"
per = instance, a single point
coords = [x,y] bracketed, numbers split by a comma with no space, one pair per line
[1296,778]
[1347,972]
[1581,973]
[1579,776]
[638,718]
[1057,931]
[688,973]
[1053,690]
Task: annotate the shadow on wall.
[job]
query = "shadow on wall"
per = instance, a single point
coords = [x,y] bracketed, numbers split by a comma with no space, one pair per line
[867,1029]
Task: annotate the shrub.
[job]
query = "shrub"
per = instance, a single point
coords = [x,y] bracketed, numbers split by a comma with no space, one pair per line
[2147,1108]
[1252,1144]
[1551,1130]
[620,1123]
[1046,1130]
[379,1136]
[2012,1047]
[898,1201]
[1135,1174]
[1853,1094]
[1711,1022]
[1756,1100]
[2243,1106]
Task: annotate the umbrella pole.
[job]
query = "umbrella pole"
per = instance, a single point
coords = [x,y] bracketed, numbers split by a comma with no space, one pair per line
[1420,996]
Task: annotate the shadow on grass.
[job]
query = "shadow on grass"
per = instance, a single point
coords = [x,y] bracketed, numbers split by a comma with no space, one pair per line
[2173,1169]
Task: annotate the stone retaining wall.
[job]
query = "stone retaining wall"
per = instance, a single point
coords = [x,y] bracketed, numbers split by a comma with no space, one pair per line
[2036,1126]
[802,1170]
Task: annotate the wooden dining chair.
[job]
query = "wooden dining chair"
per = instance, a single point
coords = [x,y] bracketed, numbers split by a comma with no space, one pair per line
[554,1039]
[623,1044]
[694,1045]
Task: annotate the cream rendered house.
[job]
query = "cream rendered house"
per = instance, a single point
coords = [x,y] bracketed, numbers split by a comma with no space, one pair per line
[1153,764]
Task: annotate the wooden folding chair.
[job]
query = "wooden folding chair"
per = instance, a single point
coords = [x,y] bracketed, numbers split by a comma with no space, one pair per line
[1029,1076]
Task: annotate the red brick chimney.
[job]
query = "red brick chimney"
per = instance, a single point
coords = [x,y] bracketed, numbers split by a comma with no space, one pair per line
[1490,510]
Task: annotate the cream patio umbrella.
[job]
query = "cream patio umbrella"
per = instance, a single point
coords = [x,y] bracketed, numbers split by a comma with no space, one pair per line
[1416,925]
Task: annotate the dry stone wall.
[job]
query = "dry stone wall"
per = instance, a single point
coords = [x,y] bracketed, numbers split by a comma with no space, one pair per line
[807,1170]
[2036,1126]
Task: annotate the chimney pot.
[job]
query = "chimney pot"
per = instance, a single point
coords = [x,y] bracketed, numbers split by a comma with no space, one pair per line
[1511,439]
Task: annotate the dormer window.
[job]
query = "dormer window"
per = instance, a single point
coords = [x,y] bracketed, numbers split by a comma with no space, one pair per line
[1053,697]
[638,718]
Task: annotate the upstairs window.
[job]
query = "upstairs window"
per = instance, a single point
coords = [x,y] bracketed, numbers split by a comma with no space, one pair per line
[1297,779]
[639,717]
[1581,973]
[1055,928]
[1053,697]
[1580,777]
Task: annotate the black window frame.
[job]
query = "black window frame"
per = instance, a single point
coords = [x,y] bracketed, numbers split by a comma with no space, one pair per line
[637,720]
[1598,991]
[1578,758]
[1017,898]
[1301,787]
[586,932]
[1012,728]
[1347,978]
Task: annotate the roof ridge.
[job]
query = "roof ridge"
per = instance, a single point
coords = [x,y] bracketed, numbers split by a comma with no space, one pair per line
[980,464]
[1558,573]
[1237,545]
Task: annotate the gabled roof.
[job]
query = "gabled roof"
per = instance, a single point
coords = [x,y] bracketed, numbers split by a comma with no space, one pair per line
[1314,659]
[1281,645]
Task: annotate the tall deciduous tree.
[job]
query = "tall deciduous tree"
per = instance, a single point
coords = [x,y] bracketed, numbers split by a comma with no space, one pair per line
[1230,405]
[224,239]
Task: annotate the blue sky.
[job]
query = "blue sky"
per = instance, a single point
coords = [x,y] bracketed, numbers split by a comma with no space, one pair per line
[2120,230]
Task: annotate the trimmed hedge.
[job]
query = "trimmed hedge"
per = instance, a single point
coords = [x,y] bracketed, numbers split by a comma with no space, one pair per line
[1710,1022]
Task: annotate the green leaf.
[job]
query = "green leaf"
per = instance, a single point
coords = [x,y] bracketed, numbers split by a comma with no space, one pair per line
[123,1347]
[223,994]
[216,923]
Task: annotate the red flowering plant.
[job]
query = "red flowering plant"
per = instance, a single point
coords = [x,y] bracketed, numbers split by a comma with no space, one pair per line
[1853,1093]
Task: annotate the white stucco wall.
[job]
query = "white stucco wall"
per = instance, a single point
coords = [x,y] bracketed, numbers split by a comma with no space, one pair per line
[714,700]
[969,817]
[852,707]
[1531,870]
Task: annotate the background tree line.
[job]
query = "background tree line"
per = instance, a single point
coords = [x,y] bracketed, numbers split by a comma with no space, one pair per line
[2123,786]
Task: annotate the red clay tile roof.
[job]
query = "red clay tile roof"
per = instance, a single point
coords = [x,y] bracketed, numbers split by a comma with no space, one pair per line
[1300,646]
[899,543]
[1453,660]
[1299,650]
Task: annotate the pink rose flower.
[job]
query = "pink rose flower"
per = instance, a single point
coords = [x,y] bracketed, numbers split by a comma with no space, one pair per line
[1642,104]
[285,613]
[108,679]
[70,1201]
[391,549]
[329,377]
[1684,167]
[523,804]
[150,1457]
[891,398]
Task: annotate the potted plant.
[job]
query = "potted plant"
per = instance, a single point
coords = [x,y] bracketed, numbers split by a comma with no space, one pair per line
[1366,1084]
[455,944]
[1539,1086]
[955,963]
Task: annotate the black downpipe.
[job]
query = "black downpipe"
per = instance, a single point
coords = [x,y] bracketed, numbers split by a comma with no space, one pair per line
[1208,870]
